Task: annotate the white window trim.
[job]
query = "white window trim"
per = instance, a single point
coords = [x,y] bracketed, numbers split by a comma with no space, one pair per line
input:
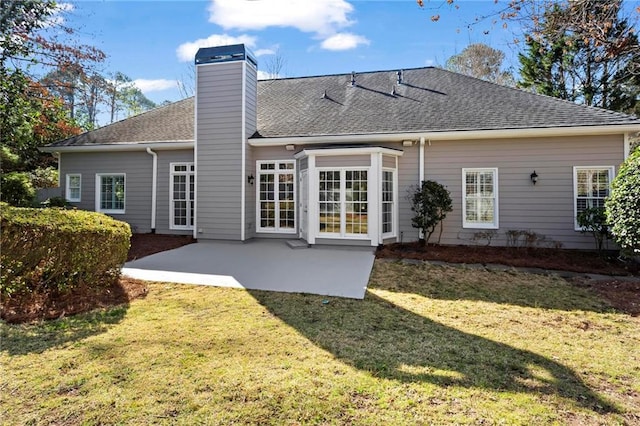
[98,192]
[276,171]
[173,173]
[610,169]
[67,190]
[344,235]
[475,225]
[394,210]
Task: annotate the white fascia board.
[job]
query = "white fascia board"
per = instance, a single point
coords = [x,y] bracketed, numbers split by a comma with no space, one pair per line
[133,146]
[348,151]
[449,135]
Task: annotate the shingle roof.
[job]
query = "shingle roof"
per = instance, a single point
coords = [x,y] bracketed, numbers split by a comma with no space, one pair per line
[170,123]
[428,100]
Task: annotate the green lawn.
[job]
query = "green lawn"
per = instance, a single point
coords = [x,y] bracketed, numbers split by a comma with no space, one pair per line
[428,345]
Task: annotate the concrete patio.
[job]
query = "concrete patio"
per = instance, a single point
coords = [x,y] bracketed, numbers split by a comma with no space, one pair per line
[261,265]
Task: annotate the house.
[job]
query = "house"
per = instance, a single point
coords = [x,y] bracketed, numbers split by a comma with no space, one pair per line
[330,159]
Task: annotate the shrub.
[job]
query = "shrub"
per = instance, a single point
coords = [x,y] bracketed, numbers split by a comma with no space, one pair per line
[55,202]
[44,177]
[16,189]
[623,206]
[430,202]
[594,220]
[49,250]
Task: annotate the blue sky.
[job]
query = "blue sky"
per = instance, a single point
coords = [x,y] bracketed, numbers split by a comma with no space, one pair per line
[154,41]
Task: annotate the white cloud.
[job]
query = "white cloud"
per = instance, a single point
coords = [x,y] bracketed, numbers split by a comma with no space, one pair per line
[343,41]
[265,75]
[322,17]
[263,52]
[154,85]
[187,51]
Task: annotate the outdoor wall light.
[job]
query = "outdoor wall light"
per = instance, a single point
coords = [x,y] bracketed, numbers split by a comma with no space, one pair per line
[534,177]
[290,147]
[250,179]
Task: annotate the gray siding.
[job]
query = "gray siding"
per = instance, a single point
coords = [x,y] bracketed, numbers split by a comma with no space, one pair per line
[219,150]
[165,158]
[389,161]
[346,161]
[303,164]
[137,166]
[545,208]
[251,105]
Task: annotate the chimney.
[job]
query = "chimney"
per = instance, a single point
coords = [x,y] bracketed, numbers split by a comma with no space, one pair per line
[226,105]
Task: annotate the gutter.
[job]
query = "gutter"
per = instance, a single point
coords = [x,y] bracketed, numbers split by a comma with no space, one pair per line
[449,135]
[129,146]
[154,186]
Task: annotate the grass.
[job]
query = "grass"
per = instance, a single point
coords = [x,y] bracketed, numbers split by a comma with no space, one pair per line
[427,345]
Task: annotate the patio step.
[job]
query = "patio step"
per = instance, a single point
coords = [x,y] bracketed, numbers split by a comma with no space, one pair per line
[297,244]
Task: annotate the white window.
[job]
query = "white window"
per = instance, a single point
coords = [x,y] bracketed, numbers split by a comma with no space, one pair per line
[110,192]
[181,195]
[276,194]
[343,206]
[388,202]
[591,187]
[480,198]
[73,187]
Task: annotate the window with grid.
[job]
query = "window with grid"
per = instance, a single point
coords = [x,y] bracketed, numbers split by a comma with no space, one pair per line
[110,193]
[73,186]
[329,206]
[276,196]
[182,203]
[356,205]
[591,186]
[343,205]
[387,202]
[480,198]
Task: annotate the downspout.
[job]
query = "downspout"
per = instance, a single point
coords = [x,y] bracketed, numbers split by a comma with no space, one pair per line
[421,174]
[56,155]
[154,184]
[421,162]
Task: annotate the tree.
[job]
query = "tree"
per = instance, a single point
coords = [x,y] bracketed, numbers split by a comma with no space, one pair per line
[623,205]
[30,114]
[430,202]
[30,117]
[481,61]
[584,51]
[187,82]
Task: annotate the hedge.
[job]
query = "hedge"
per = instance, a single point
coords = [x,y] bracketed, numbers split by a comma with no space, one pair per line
[623,206]
[46,250]
[16,189]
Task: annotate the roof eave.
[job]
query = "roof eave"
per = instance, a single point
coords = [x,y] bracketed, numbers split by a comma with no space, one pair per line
[129,146]
[451,135]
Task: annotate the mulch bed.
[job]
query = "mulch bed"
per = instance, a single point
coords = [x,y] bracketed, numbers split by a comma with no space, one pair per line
[45,306]
[145,244]
[545,258]
[622,295]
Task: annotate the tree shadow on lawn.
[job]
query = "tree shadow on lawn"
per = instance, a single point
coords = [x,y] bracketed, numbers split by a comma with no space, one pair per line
[391,342]
[23,339]
[506,288]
